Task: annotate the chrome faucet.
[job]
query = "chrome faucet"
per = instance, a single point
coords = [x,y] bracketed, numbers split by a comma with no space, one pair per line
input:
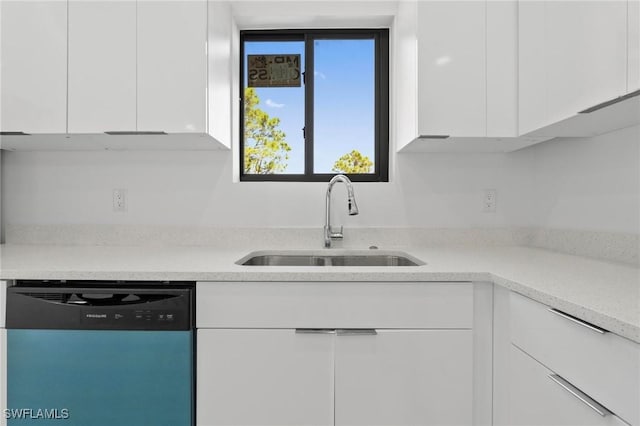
[329,234]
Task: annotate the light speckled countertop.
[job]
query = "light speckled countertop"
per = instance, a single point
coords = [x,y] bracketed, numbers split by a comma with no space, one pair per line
[603,293]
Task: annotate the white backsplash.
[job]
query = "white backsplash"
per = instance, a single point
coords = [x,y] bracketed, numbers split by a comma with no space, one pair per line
[580,196]
[616,247]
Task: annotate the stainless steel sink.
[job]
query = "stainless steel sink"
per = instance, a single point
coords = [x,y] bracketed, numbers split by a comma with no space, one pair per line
[283,260]
[373,260]
[329,258]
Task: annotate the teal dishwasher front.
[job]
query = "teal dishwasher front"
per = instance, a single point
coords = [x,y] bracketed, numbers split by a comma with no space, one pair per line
[100,354]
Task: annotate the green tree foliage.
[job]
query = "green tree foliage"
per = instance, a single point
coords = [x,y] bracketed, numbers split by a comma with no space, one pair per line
[353,162]
[265,149]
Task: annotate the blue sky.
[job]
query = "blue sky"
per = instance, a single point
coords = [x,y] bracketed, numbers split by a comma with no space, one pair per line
[343,101]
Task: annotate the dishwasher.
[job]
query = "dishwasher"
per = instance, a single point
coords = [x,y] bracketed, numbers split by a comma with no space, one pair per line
[100,353]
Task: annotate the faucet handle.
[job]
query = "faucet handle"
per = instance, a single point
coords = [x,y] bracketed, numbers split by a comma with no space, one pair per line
[336,235]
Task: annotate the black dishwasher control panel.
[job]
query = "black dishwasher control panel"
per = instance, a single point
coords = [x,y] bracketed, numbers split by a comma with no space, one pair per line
[101,305]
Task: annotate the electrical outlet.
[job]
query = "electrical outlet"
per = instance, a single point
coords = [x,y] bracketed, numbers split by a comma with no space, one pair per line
[489,201]
[119,200]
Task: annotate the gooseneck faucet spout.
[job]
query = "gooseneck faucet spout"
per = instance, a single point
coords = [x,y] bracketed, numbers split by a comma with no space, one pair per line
[329,233]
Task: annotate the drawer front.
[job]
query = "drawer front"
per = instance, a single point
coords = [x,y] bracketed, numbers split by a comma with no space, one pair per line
[535,398]
[334,305]
[605,366]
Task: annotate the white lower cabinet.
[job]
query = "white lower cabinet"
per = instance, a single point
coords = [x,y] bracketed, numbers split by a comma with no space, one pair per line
[264,377]
[535,398]
[603,365]
[342,377]
[404,377]
[554,369]
[275,354]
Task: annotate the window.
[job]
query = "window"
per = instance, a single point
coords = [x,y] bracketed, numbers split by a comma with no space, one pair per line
[314,103]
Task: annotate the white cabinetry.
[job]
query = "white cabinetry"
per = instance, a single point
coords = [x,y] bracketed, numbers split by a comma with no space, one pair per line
[33,50]
[74,70]
[102,66]
[536,399]
[264,377]
[501,64]
[137,66]
[466,76]
[452,68]
[335,353]
[171,66]
[573,55]
[599,364]
[585,54]
[404,377]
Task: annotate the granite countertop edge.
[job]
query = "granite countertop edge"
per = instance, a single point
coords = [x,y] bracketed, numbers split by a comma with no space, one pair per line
[603,293]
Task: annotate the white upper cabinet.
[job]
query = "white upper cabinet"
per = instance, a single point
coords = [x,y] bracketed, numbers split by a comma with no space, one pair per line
[497,76]
[220,56]
[102,66]
[33,50]
[573,55]
[633,18]
[137,66]
[466,77]
[502,72]
[585,54]
[172,69]
[531,76]
[451,68]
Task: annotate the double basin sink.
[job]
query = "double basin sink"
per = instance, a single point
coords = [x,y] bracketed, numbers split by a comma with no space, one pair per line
[329,258]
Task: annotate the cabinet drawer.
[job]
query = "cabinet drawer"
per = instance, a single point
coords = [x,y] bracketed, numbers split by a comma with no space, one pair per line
[334,305]
[536,398]
[603,365]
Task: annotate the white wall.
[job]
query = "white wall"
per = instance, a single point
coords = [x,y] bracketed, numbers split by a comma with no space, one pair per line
[196,189]
[589,183]
[586,183]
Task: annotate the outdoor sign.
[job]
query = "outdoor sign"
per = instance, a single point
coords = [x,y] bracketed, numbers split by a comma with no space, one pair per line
[274,70]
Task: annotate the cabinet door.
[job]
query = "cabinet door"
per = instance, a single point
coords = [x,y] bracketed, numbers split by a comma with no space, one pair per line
[502,68]
[102,66]
[264,377]
[532,101]
[451,68]
[34,66]
[535,399]
[572,56]
[172,78]
[404,377]
[586,54]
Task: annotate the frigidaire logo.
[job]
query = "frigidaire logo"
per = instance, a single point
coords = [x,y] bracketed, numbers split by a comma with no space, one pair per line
[36,413]
[96,316]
